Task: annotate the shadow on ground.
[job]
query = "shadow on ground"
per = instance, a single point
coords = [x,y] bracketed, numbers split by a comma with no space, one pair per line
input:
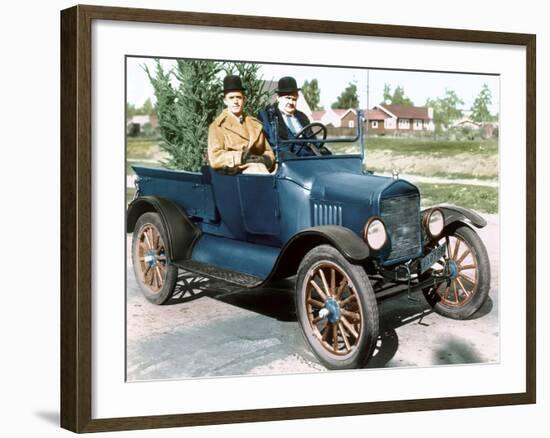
[276,301]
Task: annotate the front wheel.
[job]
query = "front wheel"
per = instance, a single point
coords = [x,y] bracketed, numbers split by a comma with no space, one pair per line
[336,308]
[467,263]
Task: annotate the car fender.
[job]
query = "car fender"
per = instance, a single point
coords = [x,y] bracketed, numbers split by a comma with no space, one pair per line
[181,232]
[350,245]
[454,214]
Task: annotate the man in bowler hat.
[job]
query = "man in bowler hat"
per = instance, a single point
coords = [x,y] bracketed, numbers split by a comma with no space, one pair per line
[236,142]
[285,118]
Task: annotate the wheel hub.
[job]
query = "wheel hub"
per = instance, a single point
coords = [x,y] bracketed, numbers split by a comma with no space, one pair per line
[333,310]
[151,258]
[453,269]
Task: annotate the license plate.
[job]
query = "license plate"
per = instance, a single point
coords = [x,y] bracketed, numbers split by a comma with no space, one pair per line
[427,262]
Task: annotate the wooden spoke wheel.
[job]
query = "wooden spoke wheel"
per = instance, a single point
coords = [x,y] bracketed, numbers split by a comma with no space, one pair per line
[336,308]
[155,276]
[467,264]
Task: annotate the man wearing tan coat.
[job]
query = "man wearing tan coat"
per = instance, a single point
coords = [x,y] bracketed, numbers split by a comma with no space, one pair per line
[236,142]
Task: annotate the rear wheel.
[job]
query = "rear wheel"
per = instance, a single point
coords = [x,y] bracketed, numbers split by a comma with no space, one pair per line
[469,268]
[336,308]
[155,276]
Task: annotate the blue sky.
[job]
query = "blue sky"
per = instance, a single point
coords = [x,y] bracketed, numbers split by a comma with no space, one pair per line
[418,85]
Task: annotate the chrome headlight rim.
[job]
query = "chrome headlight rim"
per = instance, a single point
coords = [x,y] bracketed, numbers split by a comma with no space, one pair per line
[434,233]
[370,223]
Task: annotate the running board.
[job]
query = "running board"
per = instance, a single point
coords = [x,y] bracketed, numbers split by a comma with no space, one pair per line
[243,280]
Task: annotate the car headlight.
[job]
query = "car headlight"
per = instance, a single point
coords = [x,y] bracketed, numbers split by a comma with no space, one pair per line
[375,234]
[435,222]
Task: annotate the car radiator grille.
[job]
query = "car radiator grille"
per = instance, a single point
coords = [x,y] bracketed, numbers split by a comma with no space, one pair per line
[401,215]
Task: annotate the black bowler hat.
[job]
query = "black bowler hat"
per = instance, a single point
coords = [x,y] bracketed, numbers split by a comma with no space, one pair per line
[287,85]
[232,83]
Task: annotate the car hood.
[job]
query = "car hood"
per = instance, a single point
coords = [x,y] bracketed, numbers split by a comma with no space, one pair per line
[352,188]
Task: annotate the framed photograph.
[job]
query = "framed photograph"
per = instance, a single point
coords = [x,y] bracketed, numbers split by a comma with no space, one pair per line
[268,219]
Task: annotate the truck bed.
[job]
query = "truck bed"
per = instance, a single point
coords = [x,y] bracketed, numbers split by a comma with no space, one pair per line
[191,191]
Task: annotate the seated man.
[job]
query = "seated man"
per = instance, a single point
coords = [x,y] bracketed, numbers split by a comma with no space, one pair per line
[236,142]
[290,121]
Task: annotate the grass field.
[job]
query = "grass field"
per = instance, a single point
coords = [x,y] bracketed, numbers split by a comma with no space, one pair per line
[431,146]
[480,198]
[142,148]
[427,157]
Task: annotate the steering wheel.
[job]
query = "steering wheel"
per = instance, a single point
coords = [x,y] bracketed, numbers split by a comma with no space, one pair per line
[314,128]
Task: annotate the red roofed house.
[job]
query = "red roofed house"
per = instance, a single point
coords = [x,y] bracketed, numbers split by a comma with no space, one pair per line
[393,119]
[328,117]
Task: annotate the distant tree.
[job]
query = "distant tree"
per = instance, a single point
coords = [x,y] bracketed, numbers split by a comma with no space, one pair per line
[387,94]
[312,94]
[130,109]
[480,107]
[185,111]
[397,98]
[348,98]
[446,109]
[147,107]
[257,96]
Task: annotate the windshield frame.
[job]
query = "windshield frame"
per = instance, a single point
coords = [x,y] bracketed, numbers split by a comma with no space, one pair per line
[359,136]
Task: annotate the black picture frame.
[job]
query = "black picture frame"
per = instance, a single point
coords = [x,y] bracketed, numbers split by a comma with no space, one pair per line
[76,217]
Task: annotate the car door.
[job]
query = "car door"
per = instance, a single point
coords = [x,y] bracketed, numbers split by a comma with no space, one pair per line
[259,204]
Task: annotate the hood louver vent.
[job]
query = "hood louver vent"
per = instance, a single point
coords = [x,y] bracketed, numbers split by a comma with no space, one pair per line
[326,214]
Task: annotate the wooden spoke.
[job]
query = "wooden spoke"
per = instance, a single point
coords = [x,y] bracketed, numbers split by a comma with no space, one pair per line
[349,327]
[324,332]
[324,280]
[159,277]
[445,293]
[341,288]
[455,252]
[332,281]
[152,277]
[147,270]
[463,256]
[344,336]
[455,291]
[161,258]
[352,315]
[158,241]
[348,300]
[318,289]
[315,303]
[317,319]
[147,240]
[463,268]
[335,338]
[462,287]
[465,277]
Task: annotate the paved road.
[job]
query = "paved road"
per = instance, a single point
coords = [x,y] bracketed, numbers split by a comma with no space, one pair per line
[210,329]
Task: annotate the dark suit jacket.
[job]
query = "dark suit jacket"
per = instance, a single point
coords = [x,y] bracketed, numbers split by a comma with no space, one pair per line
[268,115]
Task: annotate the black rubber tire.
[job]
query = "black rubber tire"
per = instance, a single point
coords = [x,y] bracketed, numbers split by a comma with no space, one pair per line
[170,276]
[364,344]
[480,291]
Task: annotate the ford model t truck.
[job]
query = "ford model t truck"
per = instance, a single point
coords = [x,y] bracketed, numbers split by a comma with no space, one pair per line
[343,232]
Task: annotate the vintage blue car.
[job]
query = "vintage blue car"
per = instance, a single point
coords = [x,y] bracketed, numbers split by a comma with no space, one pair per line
[345,233]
